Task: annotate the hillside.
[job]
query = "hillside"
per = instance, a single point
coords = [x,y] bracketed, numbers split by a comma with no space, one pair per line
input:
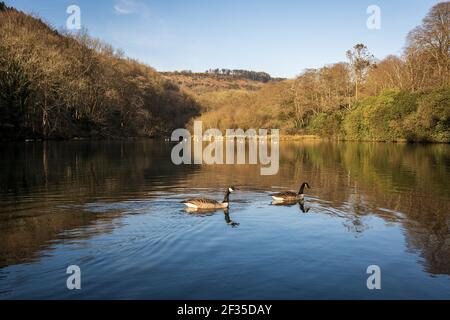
[57,85]
[219,88]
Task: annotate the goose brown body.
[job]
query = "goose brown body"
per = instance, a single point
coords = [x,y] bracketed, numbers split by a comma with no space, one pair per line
[289,196]
[205,203]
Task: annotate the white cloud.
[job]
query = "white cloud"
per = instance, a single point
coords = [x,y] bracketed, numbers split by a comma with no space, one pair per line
[125,7]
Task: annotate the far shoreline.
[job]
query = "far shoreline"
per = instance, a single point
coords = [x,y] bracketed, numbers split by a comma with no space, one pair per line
[283,137]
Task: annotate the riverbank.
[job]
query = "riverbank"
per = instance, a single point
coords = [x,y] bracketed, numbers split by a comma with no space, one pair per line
[11,134]
[283,138]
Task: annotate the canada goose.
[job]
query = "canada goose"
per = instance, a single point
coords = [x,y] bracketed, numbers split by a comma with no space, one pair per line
[204,203]
[290,195]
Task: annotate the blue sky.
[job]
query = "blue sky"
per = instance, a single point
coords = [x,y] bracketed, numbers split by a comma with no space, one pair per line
[280,37]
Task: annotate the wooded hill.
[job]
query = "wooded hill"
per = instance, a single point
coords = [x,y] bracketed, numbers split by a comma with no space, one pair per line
[58,85]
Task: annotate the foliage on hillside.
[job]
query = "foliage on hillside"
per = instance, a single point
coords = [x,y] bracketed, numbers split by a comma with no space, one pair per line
[60,85]
[395,115]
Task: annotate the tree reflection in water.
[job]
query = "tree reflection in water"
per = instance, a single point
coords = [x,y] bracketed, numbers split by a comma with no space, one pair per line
[402,183]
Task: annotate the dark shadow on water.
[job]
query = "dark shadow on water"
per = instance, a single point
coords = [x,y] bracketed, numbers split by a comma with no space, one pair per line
[210,212]
[300,203]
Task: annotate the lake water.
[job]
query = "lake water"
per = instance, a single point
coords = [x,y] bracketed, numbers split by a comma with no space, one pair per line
[113,209]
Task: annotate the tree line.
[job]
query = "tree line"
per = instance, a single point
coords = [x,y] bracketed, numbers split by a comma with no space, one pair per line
[231,74]
[242,74]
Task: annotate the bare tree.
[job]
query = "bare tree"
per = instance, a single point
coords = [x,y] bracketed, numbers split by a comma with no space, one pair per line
[428,46]
[361,60]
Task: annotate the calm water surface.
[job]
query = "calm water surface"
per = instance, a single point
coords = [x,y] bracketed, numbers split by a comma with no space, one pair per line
[113,208]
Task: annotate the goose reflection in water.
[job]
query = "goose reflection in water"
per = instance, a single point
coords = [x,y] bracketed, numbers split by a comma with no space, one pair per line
[301,204]
[210,212]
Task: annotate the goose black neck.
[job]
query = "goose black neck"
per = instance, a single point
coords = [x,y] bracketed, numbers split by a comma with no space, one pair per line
[302,188]
[226,199]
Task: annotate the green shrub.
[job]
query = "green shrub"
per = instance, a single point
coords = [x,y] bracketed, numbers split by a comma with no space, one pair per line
[326,124]
[380,118]
[431,122]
